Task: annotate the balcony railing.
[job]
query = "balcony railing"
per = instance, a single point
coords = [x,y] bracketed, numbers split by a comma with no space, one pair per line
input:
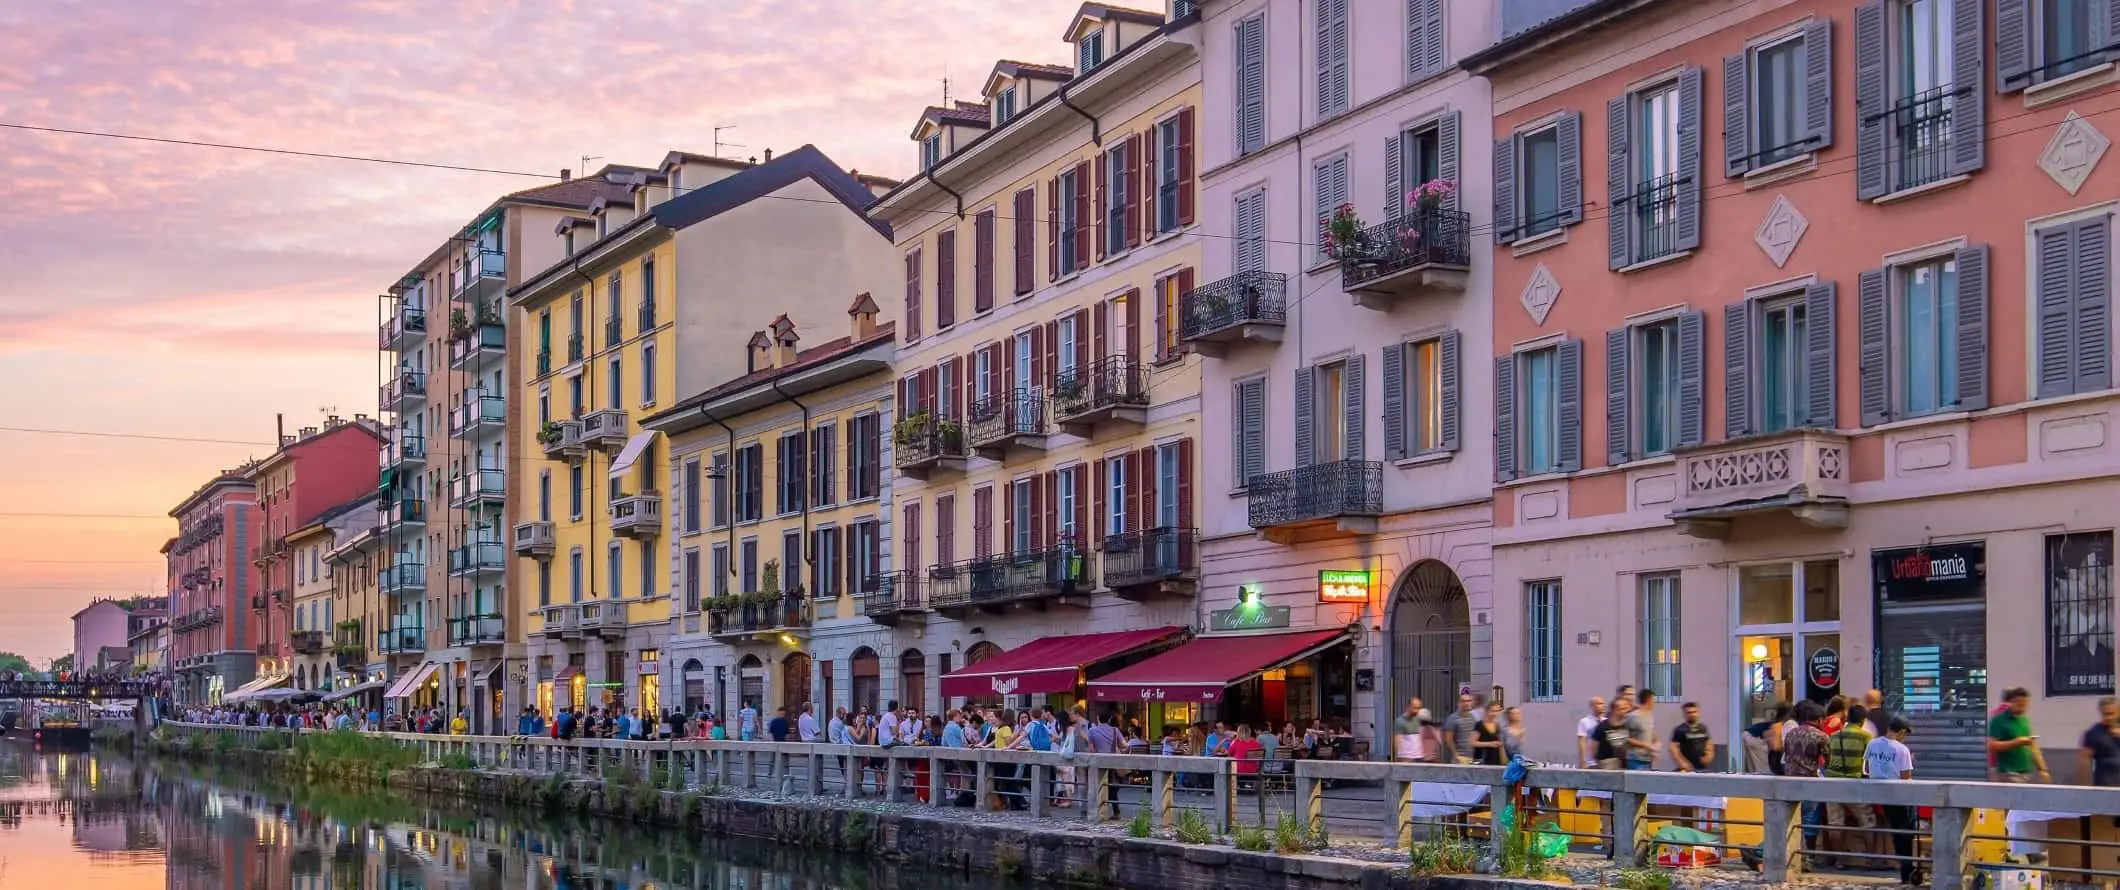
[637,516]
[561,621]
[308,642]
[349,656]
[406,451]
[477,558]
[473,630]
[602,619]
[403,328]
[1109,390]
[894,596]
[544,362]
[1012,577]
[614,331]
[535,538]
[1426,248]
[1150,557]
[562,439]
[480,274]
[408,388]
[405,512]
[1653,213]
[604,429]
[784,614]
[485,340]
[409,638]
[1916,146]
[647,315]
[1803,473]
[404,577]
[577,346]
[1007,420]
[478,488]
[1339,490]
[480,413]
[1244,306]
[927,443]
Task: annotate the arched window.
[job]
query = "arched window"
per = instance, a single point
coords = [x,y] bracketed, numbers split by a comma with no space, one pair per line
[867,671]
[912,680]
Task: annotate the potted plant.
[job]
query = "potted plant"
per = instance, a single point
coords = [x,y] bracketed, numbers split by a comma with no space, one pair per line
[1343,234]
[910,428]
[1428,197]
[720,602]
[459,326]
[951,433]
[549,434]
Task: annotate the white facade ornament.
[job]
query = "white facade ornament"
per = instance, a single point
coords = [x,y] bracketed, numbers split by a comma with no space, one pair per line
[1540,293]
[1779,232]
[2073,152]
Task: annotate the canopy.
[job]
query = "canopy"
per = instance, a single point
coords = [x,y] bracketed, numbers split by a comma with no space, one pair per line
[567,673]
[275,696]
[352,691]
[1047,665]
[1201,669]
[249,690]
[635,447]
[387,480]
[411,680]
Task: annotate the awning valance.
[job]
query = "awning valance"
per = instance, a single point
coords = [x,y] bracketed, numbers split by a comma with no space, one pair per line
[244,692]
[629,455]
[387,480]
[567,674]
[1202,668]
[359,689]
[1048,665]
[411,680]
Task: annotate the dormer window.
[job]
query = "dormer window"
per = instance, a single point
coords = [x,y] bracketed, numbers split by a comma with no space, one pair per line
[677,181]
[1091,49]
[603,224]
[569,237]
[931,151]
[1004,105]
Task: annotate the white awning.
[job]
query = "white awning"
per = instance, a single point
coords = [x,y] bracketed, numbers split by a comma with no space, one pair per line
[252,688]
[635,447]
[410,681]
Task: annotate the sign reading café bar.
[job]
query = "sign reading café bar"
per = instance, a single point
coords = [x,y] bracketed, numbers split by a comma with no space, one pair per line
[1343,586]
[1935,572]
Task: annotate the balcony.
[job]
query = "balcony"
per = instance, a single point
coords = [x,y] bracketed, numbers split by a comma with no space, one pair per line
[561,621]
[1007,422]
[899,597]
[1109,392]
[476,344]
[562,440]
[479,488]
[268,649]
[1032,580]
[1346,496]
[1426,251]
[476,559]
[403,329]
[647,316]
[404,577]
[404,514]
[482,274]
[405,454]
[535,539]
[478,630]
[577,347]
[544,361]
[602,619]
[1917,145]
[1149,564]
[404,392]
[927,445]
[1247,306]
[637,516]
[308,642]
[1800,474]
[766,618]
[604,430]
[478,415]
[349,656]
[401,640]
[614,331]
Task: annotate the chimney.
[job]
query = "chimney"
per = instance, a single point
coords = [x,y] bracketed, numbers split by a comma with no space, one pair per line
[565,174]
[761,353]
[333,420]
[784,339]
[863,313]
[769,156]
[308,431]
[279,427]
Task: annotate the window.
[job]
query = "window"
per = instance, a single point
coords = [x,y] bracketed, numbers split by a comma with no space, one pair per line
[647,374]
[1330,412]
[576,485]
[1421,396]
[647,293]
[1541,182]
[1654,202]
[720,587]
[1023,539]
[1907,136]
[750,483]
[2068,41]
[1065,497]
[1169,336]
[616,383]
[1329,185]
[718,479]
[1169,483]
[1250,92]
[2079,605]
[692,579]
[1542,645]
[931,151]
[1783,374]
[2073,298]
[1070,184]
[1657,609]
[791,561]
[864,556]
[864,457]
[647,568]
[615,564]
[1655,387]
[1004,105]
[945,529]
[1541,410]
[1171,146]
[749,555]
[691,495]
[790,478]
[574,574]
[1248,457]
[544,583]
[824,564]
[1090,50]
[1420,160]
[577,399]
[1067,340]
[1117,197]
[1331,53]
[1927,333]
[823,465]
[1777,101]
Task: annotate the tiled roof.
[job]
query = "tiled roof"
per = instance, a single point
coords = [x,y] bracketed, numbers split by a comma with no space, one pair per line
[806,359]
[1124,14]
[1013,68]
[966,113]
[580,191]
[1533,22]
[730,192]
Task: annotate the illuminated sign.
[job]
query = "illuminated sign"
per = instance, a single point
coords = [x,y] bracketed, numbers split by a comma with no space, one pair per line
[1343,586]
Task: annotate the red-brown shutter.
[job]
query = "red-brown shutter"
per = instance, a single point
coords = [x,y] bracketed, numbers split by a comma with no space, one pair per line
[1052,229]
[983,522]
[905,395]
[1098,348]
[910,515]
[1104,191]
[1008,516]
[1048,502]
[1133,189]
[967,390]
[1049,363]
[1008,376]
[1083,213]
[1133,326]
[1187,279]
[1133,492]
[945,528]
[1103,482]
[1163,320]
[946,279]
[912,294]
[1187,537]
[983,262]
[1026,216]
[1185,167]
[1145,199]
[950,388]
[1083,354]
[1080,478]
[929,390]
[1147,487]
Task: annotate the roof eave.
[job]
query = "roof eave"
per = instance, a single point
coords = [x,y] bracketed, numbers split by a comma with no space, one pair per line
[1513,48]
[534,289]
[868,360]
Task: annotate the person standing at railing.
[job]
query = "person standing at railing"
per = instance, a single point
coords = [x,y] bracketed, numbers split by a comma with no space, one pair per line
[458,725]
[1641,731]
[2099,761]
[1887,759]
[747,722]
[2012,742]
[1803,754]
[1487,737]
[1460,728]
[1610,739]
[1847,754]
[1692,747]
[806,724]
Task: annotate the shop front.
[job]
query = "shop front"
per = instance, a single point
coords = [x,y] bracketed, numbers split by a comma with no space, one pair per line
[1787,636]
[1050,671]
[1931,605]
[1264,680]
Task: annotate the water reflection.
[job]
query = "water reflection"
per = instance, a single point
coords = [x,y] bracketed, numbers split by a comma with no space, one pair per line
[87,822]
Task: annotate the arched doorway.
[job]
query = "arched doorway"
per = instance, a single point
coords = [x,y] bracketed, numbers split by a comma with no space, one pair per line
[695,678]
[795,683]
[751,683]
[867,672]
[1431,638]
[912,680]
[979,652]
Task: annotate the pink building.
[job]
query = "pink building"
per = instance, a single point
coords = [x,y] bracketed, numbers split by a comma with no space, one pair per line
[1853,348]
[105,623]
[314,470]
[212,632]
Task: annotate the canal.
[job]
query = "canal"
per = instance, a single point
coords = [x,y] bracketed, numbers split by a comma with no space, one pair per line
[104,821]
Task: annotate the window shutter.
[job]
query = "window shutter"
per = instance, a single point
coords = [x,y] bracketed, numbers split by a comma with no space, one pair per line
[1972,301]
[2105,28]
[1306,425]
[1873,348]
[1083,355]
[930,390]
[1083,214]
[1078,476]
[1619,419]
[983,522]
[2093,291]
[1969,104]
[1185,501]
[1424,38]
[1251,233]
[1569,401]
[1097,222]
[1737,370]
[1820,302]
[1450,349]
[1394,369]
[1872,102]
[1099,349]
[1041,358]
[912,295]
[1692,378]
[1505,190]
[1505,418]
[1818,82]
[1137,469]
[2013,46]
[1357,432]
[1133,326]
[1008,516]
[1151,181]
[1687,234]
[1052,229]
[1026,267]
[1101,483]
[946,278]
[1619,198]
[1188,278]
[1163,322]
[983,261]
[1569,151]
[1132,196]
[1251,92]
[1331,57]
[1046,494]
[1737,114]
[1394,174]
[1251,430]
[910,515]
[1446,147]
[968,383]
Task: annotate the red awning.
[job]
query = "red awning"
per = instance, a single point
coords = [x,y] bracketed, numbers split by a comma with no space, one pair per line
[567,673]
[1048,664]
[1199,670]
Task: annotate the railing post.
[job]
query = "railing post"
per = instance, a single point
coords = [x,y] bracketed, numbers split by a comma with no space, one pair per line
[814,762]
[851,773]
[1628,808]
[1096,796]
[1497,798]
[1225,797]
[1948,828]
[1310,796]
[891,775]
[983,785]
[1401,799]
[936,784]
[1040,788]
[1779,840]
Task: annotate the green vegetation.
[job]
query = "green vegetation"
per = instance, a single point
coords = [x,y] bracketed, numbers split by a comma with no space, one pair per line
[1140,826]
[1443,856]
[345,756]
[459,761]
[1290,835]
[9,661]
[1252,838]
[1642,879]
[112,735]
[854,833]
[1193,827]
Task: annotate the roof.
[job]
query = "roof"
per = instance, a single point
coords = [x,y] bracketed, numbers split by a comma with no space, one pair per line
[1566,18]
[723,195]
[240,476]
[1119,13]
[685,157]
[333,512]
[813,357]
[965,114]
[1013,68]
[614,181]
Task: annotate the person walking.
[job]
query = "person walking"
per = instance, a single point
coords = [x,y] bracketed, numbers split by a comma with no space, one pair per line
[1406,733]
[1887,759]
[2100,756]
[806,725]
[1641,731]
[1461,728]
[1803,755]
[1586,733]
[2012,742]
[1692,748]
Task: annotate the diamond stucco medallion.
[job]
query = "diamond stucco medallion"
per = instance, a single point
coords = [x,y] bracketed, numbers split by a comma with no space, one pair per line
[2073,152]
[1540,293]
[1779,232]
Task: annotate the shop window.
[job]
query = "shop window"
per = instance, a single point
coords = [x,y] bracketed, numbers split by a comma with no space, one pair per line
[2079,605]
[1302,693]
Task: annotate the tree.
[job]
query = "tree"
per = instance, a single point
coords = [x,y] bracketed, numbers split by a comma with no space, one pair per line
[9,661]
[63,662]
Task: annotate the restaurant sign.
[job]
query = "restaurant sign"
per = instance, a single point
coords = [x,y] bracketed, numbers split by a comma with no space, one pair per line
[1343,586]
[1941,571]
[1248,617]
[1153,694]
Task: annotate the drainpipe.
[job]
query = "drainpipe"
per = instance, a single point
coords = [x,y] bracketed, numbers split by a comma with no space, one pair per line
[728,476]
[808,558]
[930,174]
[1096,127]
[574,263]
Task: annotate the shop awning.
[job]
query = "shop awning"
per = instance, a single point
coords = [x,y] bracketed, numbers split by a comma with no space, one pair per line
[1202,668]
[387,480]
[359,689]
[245,691]
[567,674]
[411,680]
[627,456]
[1048,664]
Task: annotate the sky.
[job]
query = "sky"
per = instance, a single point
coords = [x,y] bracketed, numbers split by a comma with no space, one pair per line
[154,290]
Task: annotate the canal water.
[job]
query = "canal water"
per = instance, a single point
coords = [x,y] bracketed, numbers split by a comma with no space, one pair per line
[102,821]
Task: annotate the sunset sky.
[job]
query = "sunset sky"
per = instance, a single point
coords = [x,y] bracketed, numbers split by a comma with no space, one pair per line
[169,291]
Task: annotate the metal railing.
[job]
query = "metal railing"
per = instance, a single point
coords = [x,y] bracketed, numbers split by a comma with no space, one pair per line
[1421,237]
[577,346]
[1112,382]
[477,556]
[1241,299]
[404,577]
[307,642]
[405,511]
[1006,413]
[470,629]
[614,331]
[925,437]
[1652,212]
[1006,577]
[1319,491]
[786,613]
[1144,557]
[1917,145]
[409,638]
[647,315]
[894,593]
[544,362]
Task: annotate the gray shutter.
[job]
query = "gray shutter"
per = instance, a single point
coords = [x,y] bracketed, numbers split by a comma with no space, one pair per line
[1450,349]
[1250,442]
[2056,300]
[1872,102]
[2013,46]
[1569,153]
[1969,105]
[2105,27]
[1569,401]
[1737,114]
[1251,233]
[1394,176]
[1082,59]
[1446,149]
[1306,417]
[1424,38]
[1687,233]
[1972,302]
[1737,370]
[1505,418]
[1619,204]
[1818,82]
[1251,88]
[1619,416]
[1873,348]
[2094,297]
[1505,189]
[1692,378]
[1357,427]
[1332,57]
[1394,368]
[1821,305]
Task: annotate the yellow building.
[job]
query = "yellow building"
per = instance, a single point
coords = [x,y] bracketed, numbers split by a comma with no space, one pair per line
[782,525]
[635,316]
[358,607]
[1046,449]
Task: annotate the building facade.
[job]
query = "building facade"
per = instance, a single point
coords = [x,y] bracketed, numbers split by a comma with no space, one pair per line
[211,580]
[1048,428]
[631,315]
[358,607]
[1793,491]
[102,625]
[314,470]
[316,614]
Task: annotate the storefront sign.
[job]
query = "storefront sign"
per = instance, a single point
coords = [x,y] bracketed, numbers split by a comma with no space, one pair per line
[1248,617]
[1824,665]
[1943,571]
[1343,586]
[1179,694]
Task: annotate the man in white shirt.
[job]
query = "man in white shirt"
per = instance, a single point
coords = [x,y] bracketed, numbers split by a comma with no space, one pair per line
[1887,758]
[747,722]
[1586,732]
[835,733]
[806,725]
[887,725]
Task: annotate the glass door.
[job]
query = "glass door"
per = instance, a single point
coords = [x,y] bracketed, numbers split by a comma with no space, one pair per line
[1787,638]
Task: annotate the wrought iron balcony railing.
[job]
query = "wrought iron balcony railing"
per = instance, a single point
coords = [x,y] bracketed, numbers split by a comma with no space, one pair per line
[1653,213]
[614,331]
[1917,144]
[647,315]
[925,443]
[1390,257]
[1247,305]
[1150,556]
[893,595]
[577,346]
[308,642]
[1005,419]
[1109,389]
[784,614]
[1347,488]
[1008,577]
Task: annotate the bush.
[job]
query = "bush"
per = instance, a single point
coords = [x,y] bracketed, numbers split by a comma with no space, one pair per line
[458,760]
[1642,879]
[1442,856]
[1290,835]
[1140,826]
[1193,827]
[1252,838]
